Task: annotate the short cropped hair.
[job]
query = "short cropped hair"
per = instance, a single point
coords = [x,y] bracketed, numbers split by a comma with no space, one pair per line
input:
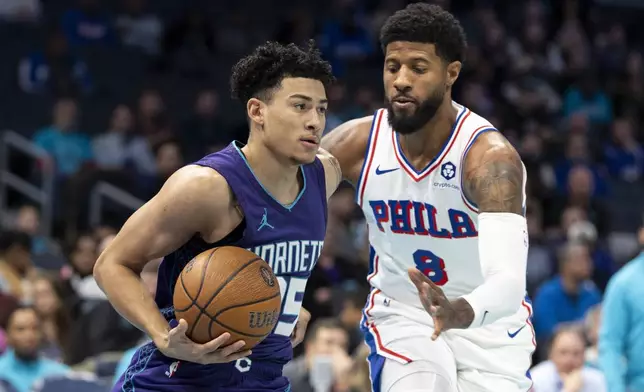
[425,23]
[324,323]
[11,238]
[260,73]
[564,328]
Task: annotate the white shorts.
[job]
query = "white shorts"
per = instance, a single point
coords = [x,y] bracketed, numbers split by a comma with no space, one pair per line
[491,358]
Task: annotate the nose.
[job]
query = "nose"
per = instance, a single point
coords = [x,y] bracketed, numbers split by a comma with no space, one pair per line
[314,121]
[403,80]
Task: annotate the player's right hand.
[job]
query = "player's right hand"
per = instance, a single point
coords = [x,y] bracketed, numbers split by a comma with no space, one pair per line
[179,346]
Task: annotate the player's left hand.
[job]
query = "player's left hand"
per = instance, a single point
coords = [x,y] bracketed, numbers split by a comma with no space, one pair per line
[300,327]
[434,301]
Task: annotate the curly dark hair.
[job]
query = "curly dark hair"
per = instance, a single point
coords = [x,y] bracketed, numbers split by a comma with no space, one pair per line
[426,23]
[258,74]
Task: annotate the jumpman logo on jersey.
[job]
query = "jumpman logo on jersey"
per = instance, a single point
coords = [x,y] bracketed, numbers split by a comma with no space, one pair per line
[264,222]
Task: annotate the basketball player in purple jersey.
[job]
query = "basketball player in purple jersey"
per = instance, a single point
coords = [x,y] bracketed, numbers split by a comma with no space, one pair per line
[269,196]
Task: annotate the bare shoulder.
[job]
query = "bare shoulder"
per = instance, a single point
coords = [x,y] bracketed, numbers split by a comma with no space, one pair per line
[198,186]
[348,144]
[493,176]
[194,201]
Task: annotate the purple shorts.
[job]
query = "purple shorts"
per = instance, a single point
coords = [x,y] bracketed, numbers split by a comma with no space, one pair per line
[151,371]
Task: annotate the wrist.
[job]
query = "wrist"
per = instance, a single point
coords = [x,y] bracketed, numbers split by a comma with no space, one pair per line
[463,314]
[160,337]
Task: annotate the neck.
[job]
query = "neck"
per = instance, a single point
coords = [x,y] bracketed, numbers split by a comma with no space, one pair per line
[427,142]
[271,172]
[570,284]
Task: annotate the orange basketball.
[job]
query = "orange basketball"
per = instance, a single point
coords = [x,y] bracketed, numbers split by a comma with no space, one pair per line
[228,289]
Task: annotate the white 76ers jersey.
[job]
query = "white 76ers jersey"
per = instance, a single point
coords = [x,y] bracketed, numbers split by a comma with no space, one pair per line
[420,219]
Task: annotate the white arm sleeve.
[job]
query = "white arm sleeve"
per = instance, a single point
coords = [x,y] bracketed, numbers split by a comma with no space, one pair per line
[503,251]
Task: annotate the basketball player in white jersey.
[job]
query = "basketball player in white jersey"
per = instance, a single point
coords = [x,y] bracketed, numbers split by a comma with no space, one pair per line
[443,194]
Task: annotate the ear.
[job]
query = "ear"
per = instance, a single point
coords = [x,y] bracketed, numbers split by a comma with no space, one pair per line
[255,110]
[453,70]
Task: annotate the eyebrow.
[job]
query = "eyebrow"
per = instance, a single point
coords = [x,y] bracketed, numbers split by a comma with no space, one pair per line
[416,59]
[307,98]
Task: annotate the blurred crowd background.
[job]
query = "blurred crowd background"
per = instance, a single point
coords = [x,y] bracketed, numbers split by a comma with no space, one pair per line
[101,101]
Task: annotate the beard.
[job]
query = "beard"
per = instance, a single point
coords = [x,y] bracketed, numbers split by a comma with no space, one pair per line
[409,122]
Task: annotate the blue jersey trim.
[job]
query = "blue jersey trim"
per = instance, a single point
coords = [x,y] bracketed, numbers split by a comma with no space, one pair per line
[286,206]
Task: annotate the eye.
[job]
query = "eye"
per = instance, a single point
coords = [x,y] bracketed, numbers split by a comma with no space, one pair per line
[300,106]
[322,110]
[419,70]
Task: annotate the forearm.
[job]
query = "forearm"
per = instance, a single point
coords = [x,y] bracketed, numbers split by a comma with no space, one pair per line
[131,299]
[503,252]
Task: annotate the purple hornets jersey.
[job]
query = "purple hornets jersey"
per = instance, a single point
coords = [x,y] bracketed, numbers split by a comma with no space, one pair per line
[288,237]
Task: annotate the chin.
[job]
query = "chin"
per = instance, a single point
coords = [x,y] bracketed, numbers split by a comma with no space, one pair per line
[303,159]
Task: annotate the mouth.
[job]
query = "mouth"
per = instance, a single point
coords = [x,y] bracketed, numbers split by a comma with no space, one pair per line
[402,102]
[401,99]
[310,141]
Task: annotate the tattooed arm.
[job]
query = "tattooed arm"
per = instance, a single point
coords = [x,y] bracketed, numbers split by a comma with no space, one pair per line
[494,175]
[494,179]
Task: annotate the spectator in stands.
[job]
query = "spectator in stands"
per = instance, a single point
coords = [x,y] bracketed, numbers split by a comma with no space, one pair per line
[97,327]
[631,83]
[138,27]
[54,70]
[344,39]
[28,221]
[568,296]
[343,224]
[55,317]
[205,131]
[17,11]
[69,148]
[621,347]
[624,155]
[190,42]
[15,264]
[8,304]
[169,158]
[578,155]
[360,380]
[350,315]
[120,147]
[88,24]
[540,259]
[587,97]
[564,370]
[325,361]
[22,365]
[591,329]
[151,119]
[603,264]
[83,256]
[581,185]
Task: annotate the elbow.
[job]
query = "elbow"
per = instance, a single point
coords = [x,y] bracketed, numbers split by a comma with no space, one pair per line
[101,270]
[99,267]
[514,294]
